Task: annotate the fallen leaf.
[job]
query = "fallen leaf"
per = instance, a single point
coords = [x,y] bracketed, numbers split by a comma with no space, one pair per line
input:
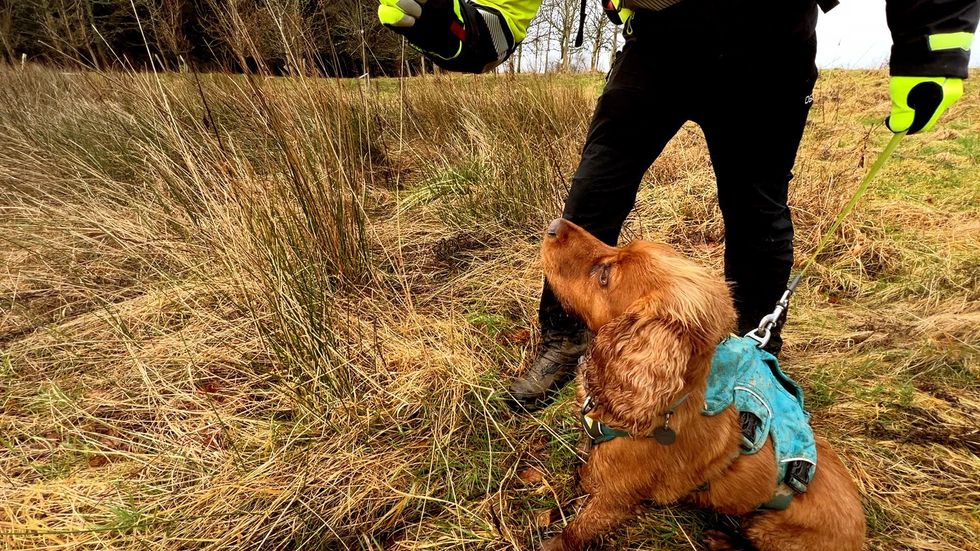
[531,475]
[515,338]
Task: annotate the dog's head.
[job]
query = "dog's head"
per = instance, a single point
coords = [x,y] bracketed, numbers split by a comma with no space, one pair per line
[653,311]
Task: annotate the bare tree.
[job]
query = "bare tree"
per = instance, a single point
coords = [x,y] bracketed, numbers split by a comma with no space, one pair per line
[293,45]
[560,19]
[66,28]
[9,39]
[615,46]
[599,33]
[535,44]
[166,23]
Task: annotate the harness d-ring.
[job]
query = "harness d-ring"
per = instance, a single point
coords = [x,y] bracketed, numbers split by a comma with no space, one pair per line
[763,339]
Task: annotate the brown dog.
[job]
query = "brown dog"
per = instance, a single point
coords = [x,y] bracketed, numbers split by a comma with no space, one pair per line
[658,318]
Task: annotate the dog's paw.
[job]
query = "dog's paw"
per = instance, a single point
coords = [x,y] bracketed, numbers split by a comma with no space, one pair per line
[716,540]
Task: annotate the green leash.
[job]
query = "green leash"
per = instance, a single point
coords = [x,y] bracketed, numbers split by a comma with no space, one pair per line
[764,332]
[849,207]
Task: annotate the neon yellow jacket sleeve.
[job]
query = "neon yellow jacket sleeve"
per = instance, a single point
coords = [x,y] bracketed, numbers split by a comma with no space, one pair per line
[518,14]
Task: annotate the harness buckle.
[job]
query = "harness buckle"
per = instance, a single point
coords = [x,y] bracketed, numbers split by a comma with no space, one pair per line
[798,476]
[588,405]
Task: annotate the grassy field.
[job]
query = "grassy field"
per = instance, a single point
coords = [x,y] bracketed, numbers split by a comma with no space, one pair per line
[281,314]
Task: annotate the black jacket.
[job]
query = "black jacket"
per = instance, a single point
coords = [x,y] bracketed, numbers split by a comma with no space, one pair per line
[765,26]
[913,22]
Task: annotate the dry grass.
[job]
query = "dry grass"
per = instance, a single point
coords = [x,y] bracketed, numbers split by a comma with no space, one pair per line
[280,314]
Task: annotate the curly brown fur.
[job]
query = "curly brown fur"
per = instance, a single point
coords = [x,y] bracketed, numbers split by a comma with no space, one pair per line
[657,318]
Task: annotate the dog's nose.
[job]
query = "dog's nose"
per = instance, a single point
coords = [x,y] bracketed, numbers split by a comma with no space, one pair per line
[553,227]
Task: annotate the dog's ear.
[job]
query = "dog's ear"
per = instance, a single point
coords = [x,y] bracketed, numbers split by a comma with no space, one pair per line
[639,364]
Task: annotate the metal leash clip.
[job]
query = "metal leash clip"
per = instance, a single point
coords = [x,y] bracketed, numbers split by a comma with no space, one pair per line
[763,333]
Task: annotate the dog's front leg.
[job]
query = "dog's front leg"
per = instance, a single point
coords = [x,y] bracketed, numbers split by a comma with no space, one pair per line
[602,513]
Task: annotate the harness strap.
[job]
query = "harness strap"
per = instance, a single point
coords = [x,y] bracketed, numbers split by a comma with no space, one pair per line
[748,424]
[651,5]
[797,472]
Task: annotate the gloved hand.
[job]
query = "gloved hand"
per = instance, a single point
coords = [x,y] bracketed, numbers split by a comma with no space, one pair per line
[918,102]
[615,11]
[457,35]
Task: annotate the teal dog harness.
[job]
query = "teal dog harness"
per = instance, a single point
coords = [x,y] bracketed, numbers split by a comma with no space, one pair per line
[770,405]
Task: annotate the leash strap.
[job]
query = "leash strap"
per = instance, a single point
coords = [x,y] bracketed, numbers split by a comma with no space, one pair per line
[763,333]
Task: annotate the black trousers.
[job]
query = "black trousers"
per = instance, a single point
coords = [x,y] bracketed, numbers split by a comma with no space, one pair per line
[751,100]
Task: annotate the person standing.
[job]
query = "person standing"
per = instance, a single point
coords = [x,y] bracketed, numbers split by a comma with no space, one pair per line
[744,71]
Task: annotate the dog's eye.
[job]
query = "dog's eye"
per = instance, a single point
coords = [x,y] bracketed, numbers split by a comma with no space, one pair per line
[604,274]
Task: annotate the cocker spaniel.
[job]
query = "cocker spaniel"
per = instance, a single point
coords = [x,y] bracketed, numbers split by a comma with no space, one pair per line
[658,318]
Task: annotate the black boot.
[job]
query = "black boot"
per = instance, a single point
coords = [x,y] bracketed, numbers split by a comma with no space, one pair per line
[552,369]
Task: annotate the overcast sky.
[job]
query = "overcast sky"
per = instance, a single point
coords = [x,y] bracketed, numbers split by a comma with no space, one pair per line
[855,34]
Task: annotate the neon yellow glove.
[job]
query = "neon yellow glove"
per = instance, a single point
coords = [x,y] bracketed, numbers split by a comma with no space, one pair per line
[457,35]
[918,102]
